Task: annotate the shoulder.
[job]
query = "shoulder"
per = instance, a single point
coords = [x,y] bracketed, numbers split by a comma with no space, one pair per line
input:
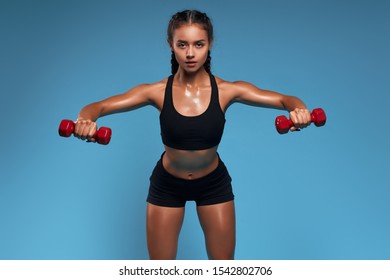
[153,87]
[150,91]
[232,88]
[154,92]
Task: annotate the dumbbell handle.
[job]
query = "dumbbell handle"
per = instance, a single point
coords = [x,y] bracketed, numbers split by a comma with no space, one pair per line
[102,135]
[283,125]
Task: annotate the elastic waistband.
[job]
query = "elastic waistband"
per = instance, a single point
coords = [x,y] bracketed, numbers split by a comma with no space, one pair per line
[219,170]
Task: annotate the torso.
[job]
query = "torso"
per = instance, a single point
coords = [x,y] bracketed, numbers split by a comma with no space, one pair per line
[191,102]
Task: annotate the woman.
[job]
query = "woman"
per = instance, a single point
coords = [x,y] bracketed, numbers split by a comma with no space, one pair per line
[192,104]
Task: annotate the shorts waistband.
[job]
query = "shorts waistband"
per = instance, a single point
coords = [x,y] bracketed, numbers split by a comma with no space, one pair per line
[219,170]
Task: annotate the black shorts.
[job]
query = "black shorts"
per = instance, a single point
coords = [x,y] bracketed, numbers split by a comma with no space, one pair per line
[170,191]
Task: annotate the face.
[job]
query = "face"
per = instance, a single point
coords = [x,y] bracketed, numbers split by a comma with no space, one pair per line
[190,45]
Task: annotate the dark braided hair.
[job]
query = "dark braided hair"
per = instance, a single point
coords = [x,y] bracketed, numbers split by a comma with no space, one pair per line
[189,17]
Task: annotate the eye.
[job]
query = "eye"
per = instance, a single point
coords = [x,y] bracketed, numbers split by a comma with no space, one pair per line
[181,45]
[199,45]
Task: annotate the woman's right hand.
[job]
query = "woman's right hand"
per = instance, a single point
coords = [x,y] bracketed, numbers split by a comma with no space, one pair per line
[85,130]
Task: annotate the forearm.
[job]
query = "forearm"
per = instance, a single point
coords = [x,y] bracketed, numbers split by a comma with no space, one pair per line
[290,103]
[91,112]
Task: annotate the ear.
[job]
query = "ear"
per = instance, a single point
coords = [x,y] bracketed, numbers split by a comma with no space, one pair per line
[170,44]
[211,45]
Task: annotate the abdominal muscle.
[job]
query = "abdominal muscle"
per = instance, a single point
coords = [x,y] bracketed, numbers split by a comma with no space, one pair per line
[190,164]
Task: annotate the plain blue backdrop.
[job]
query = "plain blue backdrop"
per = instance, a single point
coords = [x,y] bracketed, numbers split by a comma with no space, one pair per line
[322,193]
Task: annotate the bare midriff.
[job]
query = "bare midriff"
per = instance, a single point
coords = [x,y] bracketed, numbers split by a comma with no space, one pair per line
[190,164]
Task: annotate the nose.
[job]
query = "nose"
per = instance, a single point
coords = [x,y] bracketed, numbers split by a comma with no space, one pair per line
[190,52]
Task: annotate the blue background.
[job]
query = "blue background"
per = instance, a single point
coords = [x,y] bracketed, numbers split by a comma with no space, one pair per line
[322,193]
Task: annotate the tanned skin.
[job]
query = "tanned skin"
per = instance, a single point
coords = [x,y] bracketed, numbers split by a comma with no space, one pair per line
[191,93]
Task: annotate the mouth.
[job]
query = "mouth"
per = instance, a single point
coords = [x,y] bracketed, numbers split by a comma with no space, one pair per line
[190,63]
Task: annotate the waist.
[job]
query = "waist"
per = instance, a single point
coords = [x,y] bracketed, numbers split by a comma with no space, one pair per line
[190,164]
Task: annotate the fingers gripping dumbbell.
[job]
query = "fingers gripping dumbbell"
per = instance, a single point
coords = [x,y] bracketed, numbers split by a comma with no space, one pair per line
[283,124]
[102,135]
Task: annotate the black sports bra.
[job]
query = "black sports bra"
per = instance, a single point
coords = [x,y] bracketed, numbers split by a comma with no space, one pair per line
[192,132]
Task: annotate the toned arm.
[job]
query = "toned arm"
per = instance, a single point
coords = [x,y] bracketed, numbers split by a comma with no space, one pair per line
[246,93]
[134,98]
[139,96]
[249,94]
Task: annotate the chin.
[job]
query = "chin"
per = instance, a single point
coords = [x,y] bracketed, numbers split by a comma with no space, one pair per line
[192,70]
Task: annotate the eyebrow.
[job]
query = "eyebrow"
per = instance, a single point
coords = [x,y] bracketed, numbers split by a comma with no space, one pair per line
[197,41]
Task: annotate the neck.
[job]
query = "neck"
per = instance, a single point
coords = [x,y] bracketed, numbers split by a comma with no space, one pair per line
[196,78]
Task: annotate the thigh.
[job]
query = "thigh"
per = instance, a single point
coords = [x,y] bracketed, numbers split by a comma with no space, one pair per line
[163,226]
[219,226]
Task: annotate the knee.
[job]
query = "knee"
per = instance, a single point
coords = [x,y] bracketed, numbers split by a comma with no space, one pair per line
[157,252]
[221,256]
[162,250]
[221,251]
[164,257]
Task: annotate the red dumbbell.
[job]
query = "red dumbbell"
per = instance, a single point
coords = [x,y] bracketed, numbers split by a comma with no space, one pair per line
[283,124]
[102,136]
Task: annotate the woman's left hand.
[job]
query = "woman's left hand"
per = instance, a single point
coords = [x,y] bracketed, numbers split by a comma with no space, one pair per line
[301,118]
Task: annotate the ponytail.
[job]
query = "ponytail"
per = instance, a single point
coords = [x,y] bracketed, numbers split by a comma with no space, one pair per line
[207,64]
[174,64]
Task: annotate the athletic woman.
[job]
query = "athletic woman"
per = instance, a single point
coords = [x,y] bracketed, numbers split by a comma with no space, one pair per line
[192,103]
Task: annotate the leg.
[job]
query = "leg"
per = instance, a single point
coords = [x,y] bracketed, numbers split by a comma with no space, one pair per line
[219,226]
[163,226]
